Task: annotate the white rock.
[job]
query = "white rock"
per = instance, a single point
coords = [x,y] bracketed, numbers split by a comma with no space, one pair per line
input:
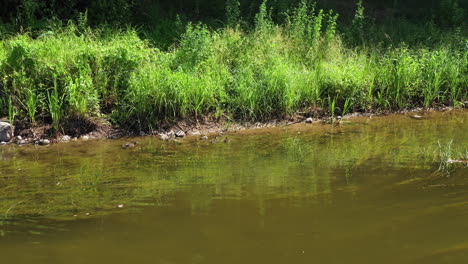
[6,131]
[44,142]
[164,137]
[309,120]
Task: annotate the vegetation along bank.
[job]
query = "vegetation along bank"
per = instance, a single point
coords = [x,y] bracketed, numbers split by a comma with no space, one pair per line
[72,72]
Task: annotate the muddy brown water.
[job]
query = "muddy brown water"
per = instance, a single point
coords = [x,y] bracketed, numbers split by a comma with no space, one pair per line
[366,191]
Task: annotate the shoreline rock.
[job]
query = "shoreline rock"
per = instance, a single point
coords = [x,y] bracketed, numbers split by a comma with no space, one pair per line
[6,131]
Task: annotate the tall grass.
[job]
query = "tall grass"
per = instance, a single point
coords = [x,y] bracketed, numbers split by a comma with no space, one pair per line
[258,73]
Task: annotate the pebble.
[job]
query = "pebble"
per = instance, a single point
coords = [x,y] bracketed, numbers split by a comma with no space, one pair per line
[120,206]
[66,138]
[309,120]
[204,138]
[19,138]
[84,138]
[22,142]
[3,143]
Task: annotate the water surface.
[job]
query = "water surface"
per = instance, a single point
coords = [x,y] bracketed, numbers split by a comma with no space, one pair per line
[366,191]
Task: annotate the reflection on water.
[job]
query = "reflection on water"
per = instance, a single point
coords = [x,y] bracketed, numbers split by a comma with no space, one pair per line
[362,192]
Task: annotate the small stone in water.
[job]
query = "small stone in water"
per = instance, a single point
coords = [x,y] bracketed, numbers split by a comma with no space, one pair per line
[309,120]
[204,138]
[120,206]
[85,138]
[66,138]
[416,116]
[3,143]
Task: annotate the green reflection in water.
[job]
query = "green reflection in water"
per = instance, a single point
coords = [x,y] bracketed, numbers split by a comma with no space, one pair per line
[360,175]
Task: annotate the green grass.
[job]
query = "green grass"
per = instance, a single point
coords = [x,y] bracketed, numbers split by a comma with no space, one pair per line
[258,73]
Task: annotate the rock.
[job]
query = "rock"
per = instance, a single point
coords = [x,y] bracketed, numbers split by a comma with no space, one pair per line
[75,139]
[215,140]
[142,134]
[180,134]
[6,131]
[167,136]
[84,138]
[309,120]
[22,142]
[418,117]
[66,138]
[164,137]
[19,138]
[44,142]
[129,145]
[171,134]
[3,143]
[227,140]
[204,138]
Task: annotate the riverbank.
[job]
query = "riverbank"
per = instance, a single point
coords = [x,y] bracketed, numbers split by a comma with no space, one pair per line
[204,129]
[75,79]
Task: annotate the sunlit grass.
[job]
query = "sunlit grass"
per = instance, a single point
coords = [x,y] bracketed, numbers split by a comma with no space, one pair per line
[264,72]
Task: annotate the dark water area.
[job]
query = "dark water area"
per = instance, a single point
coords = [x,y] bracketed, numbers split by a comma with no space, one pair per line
[371,190]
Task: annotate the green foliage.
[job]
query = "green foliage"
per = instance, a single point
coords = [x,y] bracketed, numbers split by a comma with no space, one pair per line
[233,13]
[263,20]
[358,23]
[258,73]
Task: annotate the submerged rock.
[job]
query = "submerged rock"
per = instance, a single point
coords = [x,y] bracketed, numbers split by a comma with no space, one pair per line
[227,140]
[204,138]
[6,131]
[417,117]
[66,138]
[84,138]
[215,140]
[129,145]
[309,120]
